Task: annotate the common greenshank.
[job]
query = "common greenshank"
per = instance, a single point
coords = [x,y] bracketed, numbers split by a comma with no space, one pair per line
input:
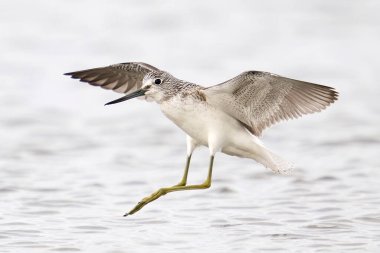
[228,117]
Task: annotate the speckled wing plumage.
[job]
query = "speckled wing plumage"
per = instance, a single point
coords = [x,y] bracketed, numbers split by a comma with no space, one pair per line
[260,99]
[122,77]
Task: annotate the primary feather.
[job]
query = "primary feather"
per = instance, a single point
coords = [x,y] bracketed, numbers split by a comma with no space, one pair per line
[122,77]
[260,99]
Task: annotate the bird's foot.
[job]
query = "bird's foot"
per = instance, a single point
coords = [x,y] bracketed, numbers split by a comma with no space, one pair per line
[147,200]
[182,183]
[163,191]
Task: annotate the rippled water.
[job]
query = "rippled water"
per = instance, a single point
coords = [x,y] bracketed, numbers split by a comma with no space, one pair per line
[70,167]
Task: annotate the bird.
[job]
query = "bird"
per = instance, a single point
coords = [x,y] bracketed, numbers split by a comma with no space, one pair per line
[228,117]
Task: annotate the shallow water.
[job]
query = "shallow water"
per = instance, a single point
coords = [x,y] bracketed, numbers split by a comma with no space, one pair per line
[70,167]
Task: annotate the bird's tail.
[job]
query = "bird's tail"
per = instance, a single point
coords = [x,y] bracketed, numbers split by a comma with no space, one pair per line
[274,162]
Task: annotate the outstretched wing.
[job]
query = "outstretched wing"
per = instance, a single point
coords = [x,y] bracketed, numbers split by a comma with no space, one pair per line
[260,99]
[122,77]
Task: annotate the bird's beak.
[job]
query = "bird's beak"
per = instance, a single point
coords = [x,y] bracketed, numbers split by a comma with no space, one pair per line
[137,93]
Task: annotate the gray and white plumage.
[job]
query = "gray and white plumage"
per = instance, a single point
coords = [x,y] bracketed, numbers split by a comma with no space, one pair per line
[122,77]
[219,116]
[257,99]
[260,99]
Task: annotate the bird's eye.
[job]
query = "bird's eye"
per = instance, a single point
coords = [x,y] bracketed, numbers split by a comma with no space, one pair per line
[157,81]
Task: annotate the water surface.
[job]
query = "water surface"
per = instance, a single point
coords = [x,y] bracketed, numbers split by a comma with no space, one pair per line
[70,167]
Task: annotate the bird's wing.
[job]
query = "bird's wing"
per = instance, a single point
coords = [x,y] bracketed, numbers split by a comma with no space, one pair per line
[260,99]
[122,77]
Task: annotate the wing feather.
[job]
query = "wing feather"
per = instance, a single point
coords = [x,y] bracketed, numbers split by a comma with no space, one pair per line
[260,99]
[122,77]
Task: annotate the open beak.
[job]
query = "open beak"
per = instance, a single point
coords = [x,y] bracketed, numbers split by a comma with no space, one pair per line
[137,93]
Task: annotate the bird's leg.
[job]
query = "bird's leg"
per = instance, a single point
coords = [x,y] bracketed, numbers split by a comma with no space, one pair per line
[184,177]
[206,184]
[191,145]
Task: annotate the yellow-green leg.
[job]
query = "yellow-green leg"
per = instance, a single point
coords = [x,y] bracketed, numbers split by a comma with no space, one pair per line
[163,191]
[184,177]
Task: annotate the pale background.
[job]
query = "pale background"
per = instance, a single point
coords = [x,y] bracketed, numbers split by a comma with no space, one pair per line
[70,167]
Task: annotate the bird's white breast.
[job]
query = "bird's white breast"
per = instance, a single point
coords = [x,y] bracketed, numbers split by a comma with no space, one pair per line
[202,121]
[212,127]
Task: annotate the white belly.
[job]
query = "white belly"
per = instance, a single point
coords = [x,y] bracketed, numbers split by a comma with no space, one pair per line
[208,125]
[211,127]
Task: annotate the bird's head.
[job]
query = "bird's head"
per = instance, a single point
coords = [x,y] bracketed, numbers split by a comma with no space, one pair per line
[156,86]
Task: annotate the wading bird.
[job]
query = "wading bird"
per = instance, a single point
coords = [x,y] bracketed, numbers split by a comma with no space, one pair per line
[228,117]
